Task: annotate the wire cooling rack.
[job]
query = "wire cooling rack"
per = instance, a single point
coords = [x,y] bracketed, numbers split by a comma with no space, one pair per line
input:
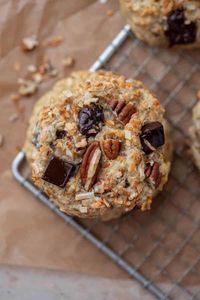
[160,248]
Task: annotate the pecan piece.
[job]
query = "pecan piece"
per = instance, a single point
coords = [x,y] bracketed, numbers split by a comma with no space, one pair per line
[123,110]
[111,148]
[153,173]
[90,165]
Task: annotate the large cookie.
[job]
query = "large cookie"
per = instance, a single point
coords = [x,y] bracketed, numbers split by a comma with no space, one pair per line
[98,145]
[166,23]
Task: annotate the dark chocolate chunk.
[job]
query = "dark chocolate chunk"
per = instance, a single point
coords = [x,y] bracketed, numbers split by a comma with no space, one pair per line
[58,172]
[152,136]
[126,184]
[61,134]
[179,31]
[90,118]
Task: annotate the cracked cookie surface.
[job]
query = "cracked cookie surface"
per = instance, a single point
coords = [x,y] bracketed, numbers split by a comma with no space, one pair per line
[98,145]
[166,23]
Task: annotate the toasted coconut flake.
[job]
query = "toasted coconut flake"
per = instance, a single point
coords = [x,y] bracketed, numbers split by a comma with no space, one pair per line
[84,196]
[83,209]
[128,134]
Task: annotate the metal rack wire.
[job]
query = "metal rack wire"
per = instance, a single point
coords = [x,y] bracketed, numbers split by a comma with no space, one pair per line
[160,248]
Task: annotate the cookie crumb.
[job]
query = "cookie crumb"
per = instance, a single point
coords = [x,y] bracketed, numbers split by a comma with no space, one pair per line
[31,68]
[68,62]
[46,68]
[1,140]
[27,87]
[37,77]
[29,43]
[13,118]
[110,12]
[17,66]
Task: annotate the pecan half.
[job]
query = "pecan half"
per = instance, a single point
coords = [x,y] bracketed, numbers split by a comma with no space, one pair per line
[153,173]
[90,165]
[123,110]
[111,148]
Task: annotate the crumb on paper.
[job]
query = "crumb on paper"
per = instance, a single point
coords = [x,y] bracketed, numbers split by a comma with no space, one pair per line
[110,12]
[29,43]
[17,66]
[37,77]
[46,68]
[27,87]
[1,140]
[68,62]
[13,118]
[31,68]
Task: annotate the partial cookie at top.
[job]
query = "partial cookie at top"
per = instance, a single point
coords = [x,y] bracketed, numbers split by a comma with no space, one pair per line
[98,145]
[195,135]
[166,23]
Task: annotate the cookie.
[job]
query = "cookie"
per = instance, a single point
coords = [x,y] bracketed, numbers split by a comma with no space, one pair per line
[195,135]
[98,145]
[166,23]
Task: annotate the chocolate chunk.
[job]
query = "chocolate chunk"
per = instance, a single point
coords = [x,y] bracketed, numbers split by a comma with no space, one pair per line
[152,137]
[61,134]
[126,183]
[58,172]
[179,31]
[90,119]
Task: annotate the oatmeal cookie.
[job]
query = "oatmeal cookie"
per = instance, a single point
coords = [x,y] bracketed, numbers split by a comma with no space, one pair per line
[195,135]
[98,145]
[165,23]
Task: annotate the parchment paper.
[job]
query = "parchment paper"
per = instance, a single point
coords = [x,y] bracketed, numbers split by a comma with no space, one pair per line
[30,234]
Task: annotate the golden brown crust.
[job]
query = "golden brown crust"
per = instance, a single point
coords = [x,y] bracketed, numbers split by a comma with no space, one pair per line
[107,186]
